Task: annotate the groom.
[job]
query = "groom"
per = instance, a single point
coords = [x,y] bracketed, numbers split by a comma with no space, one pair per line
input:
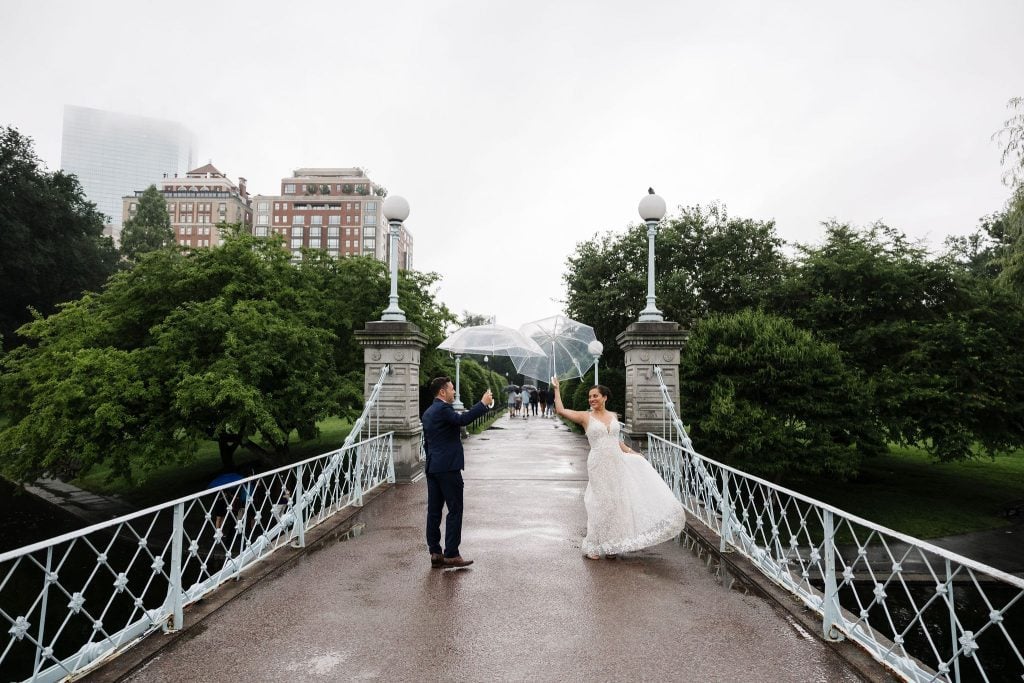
[442,437]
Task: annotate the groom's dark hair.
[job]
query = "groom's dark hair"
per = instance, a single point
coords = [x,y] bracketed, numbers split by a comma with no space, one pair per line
[437,384]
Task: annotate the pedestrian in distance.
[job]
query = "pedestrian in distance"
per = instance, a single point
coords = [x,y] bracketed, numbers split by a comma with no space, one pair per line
[442,440]
[526,403]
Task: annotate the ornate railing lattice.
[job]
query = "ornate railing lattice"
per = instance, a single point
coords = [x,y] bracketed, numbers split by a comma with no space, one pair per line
[929,614]
[69,602]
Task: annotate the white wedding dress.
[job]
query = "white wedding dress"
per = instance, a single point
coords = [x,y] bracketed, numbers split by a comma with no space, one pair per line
[629,506]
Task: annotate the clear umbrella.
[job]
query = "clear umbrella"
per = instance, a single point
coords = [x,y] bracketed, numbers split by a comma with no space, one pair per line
[565,341]
[490,340]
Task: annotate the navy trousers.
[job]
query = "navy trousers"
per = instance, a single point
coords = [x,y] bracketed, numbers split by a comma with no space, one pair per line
[444,488]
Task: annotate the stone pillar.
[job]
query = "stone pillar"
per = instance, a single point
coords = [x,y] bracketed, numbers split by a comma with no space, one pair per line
[646,345]
[397,344]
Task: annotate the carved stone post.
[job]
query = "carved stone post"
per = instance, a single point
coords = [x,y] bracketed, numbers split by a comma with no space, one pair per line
[646,344]
[397,344]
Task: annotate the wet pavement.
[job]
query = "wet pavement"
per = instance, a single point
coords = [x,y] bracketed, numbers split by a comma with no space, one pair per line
[530,608]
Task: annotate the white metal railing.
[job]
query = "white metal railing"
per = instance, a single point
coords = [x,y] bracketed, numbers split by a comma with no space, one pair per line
[929,614]
[71,601]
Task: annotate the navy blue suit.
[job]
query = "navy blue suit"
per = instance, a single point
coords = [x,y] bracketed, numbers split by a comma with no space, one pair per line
[442,437]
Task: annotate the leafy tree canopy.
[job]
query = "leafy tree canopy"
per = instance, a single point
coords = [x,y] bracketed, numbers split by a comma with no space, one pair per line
[52,247]
[149,229]
[706,262]
[933,337]
[773,400]
[233,344]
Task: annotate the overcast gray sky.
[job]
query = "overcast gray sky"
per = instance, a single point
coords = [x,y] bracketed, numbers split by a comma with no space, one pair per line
[518,129]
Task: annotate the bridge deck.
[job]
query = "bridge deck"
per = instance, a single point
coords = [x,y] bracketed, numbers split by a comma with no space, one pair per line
[531,608]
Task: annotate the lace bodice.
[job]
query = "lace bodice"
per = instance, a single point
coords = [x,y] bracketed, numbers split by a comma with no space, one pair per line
[602,436]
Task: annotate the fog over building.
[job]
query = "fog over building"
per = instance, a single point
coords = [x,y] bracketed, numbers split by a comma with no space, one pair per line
[114,154]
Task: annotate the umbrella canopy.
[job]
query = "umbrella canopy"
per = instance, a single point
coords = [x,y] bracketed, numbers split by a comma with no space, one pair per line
[510,388]
[493,340]
[529,387]
[565,341]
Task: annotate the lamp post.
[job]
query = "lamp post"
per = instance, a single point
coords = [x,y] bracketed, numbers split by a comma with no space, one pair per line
[652,210]
[595,349]
[396,210]
[457,403]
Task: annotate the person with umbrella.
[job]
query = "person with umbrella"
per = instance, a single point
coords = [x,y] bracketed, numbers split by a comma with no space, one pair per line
[511,390]
[629,506]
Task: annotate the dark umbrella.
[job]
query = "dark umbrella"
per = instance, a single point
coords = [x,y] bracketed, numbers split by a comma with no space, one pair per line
[510,388]
[529,387]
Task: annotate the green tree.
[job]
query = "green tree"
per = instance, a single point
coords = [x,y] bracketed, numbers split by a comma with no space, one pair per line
[771,399]
[706,262]
[932,337]
[149,229]
[473,319]
[1011,258]
[231,344]
[52,247]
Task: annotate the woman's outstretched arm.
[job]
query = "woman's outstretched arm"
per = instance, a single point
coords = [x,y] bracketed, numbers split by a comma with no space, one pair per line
[576,416]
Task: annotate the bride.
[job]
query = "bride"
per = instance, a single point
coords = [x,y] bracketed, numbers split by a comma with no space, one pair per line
[629,506]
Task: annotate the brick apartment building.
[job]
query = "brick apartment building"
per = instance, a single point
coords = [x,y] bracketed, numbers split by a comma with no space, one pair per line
[197,202]
[338,210]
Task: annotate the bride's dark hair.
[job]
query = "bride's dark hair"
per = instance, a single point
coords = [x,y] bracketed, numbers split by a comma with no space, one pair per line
[602,389]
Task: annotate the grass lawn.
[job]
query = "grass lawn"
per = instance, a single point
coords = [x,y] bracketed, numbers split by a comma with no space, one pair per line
[175,480]
[909,492]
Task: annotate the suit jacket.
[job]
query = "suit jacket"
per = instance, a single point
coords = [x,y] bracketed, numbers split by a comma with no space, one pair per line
[442,435]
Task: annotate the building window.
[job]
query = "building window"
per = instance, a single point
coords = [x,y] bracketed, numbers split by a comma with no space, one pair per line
[296,242]
[298,220]
[355,205]
[334,220]
[348,219]
[277,206]
[297,231]
[369,232]
[348,206]
[333,252]
[277,219]
[263,219]
[297,255]
[316,220]
[369,244]
[289,189]
[348,244]
[357,218]
[260,232]
[332,243]
[133,206]
[370,220]
[314,242]
[333,232]
[371,207]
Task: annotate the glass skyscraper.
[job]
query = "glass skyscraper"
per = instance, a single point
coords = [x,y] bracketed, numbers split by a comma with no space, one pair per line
[115,154]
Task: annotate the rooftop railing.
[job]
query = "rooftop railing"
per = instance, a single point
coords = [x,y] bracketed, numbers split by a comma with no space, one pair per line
[927,613]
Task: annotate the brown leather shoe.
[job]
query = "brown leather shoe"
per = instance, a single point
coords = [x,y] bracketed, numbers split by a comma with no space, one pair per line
[456,562]
[436,560]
